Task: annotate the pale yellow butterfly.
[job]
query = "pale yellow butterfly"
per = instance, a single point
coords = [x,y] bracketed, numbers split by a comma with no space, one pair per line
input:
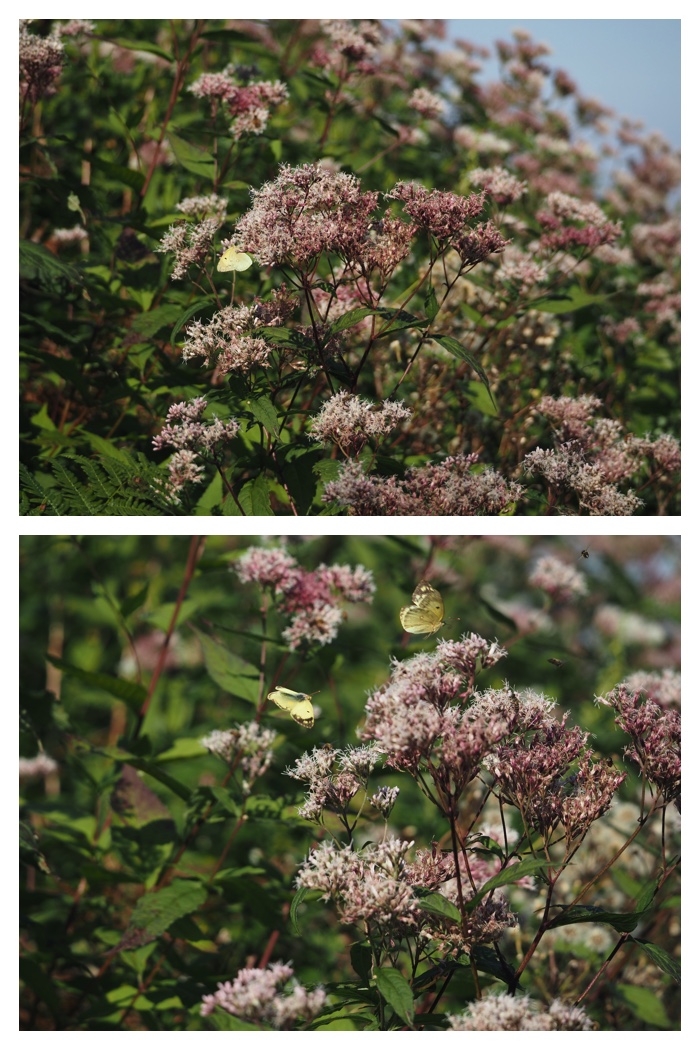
[425,616]
[298,704]
[232,259]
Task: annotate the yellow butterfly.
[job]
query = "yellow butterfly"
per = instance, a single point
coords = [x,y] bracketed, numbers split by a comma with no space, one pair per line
[298,704]
[425,616]
[232,259]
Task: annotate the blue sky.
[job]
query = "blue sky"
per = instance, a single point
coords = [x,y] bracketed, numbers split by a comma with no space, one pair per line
[631,65]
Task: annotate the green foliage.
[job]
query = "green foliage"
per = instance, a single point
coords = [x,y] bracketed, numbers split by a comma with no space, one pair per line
[152,870]
[114,139]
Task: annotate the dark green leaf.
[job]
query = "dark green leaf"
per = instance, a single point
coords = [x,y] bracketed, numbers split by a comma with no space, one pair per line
[645,1004]
[192,158]
[452,346]
[361,959]
[265,413]
[436,904]
[624,922]
[508,875]
[572,299]
[431,304]
[254,496]
[142,45]
[234,675]
[37,263]
[297,899]
[396,991]
[131,693]
[661,957]
[352,317]
[156,911]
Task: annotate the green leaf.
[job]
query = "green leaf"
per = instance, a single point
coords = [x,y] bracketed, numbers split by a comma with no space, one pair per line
[482,400]
[156,911]
[142,45]
[147,766]
[623,922]
[254,496]
[396,991]
[352,317]
[201,306]
[124,176]
[297,899]
[450,344]
[488,961]
[265,413]
[361,959]
[37,263]
[508,875]
[431,304]
[287,338]
[183,747]
[573,298]
[234,675]
[131,693]
[150,322]
[192,158]
[130,605]
[645,1004]
[661,957]
[399,319]
[436,904]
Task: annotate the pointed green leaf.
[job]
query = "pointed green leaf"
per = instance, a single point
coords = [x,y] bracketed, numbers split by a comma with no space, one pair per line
[192,158]
[396,991]
[361,959]
[508,875]
[624,921]
[431,304]
[234,675]
[661,957]
[450,344]
[265,413]
[352,317]
[156,911]
[131,693]
[297,899]
[436,904]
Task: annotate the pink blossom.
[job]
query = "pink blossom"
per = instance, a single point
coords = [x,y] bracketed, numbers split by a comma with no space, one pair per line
[270,997]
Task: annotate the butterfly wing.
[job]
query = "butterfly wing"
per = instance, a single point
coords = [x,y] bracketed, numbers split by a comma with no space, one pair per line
[303,713]
[298,705]
[232,259]
[426,614]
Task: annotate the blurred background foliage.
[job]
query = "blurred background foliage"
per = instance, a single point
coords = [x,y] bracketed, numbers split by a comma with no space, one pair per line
[93,604]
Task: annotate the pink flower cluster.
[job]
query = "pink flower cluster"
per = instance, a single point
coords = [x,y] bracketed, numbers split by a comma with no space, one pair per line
[594,456]
[655,738]
[445,488]
[332,790]
[310,599]
[229,339]
[190,243]
[410,718]
[40,62]
[185,431]
[249,104]
[269,997]
[250,744]
[350,422]
[561,581]
[552,780]
[510,1013]
[367,886]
